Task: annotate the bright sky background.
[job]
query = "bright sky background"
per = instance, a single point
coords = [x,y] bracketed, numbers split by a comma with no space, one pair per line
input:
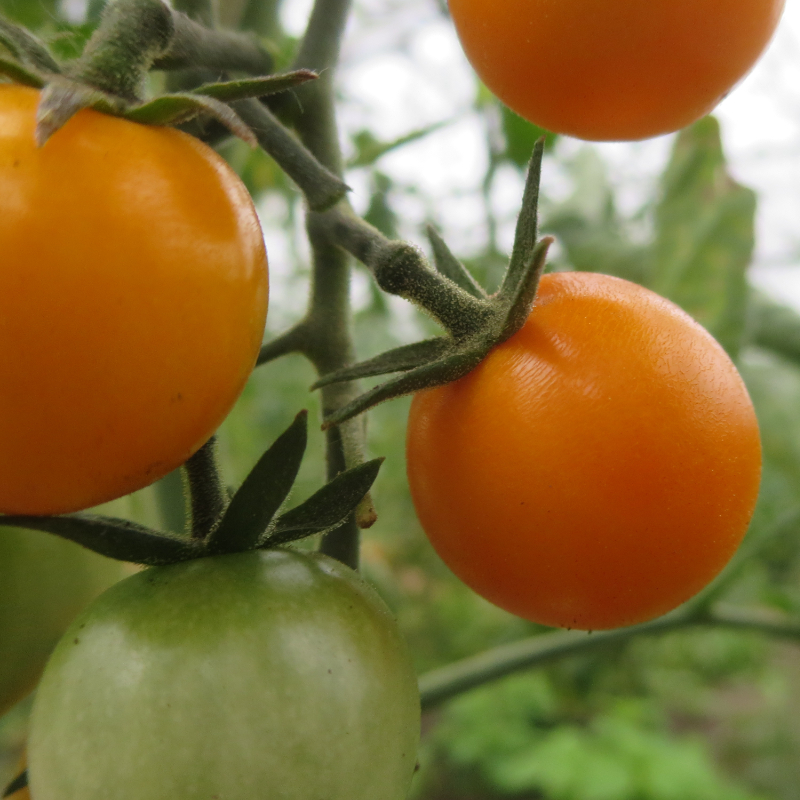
[403,69]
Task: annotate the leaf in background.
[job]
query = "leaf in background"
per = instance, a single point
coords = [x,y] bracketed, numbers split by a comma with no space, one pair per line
[521,136]
[369,149]
[380,213]
[31,15]
[704,235]
[593,235]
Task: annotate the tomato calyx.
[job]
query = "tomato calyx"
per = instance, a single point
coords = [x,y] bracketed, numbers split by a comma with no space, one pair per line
[250,521]
[475,321]
[17,784]
[133,37]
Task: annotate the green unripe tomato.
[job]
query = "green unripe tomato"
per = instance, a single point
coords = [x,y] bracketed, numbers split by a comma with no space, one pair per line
[268,674]
[44,583]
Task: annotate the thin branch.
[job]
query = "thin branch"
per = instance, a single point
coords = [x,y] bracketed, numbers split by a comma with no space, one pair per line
[206,491]
[194,45]
[321,187]
[442,684]
[292,341]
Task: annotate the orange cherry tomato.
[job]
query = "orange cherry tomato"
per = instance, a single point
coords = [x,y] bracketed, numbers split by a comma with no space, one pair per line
[613,69]
[595,470]
[133,277]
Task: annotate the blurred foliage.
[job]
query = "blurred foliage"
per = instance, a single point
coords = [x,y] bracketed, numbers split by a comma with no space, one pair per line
[693,715]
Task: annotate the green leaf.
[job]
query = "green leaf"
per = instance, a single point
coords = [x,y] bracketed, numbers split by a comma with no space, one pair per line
[369,149]
[449,266]
[588,227]
[704,235]
[400,359]
[19,74]
[255,87]
[262,492]
[114,538]
[20,782]
[171,109]
[775,327]
[25,47]
[327,508]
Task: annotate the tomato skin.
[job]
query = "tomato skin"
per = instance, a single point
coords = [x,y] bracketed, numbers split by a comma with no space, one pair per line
[269,674]
[135,284]
[613,69]
[598,468]
[44,583]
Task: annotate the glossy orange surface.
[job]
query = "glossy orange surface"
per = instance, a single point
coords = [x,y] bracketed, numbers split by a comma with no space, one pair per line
[133,281]
[613,69]
[598,468]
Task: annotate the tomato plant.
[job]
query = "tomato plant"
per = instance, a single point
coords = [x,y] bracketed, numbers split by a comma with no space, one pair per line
[44,583]
[598,468]
[260,674]
[615,70]
[137,269]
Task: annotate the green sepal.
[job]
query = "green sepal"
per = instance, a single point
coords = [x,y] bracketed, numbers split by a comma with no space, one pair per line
[20,782]
[449,266]
[261,495]
[26,48]
[18,74]
[115,538]
[62,98]
[173,109]
[454,365]
[521,301]
[527,227]
[401,359]
[255,87]
[475,321]
[325,509]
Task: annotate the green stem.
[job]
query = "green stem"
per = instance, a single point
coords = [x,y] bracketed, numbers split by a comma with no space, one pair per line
[131,35]
[201,11]
[194,45]
[206,492]
[401,269]
[330,344]
[442,684]
[321,187]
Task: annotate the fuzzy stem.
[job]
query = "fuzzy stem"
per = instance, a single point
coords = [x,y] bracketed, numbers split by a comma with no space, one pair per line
[132,34]
[401,269]
[206,492]
[194,45]
[321,187]
[330,343]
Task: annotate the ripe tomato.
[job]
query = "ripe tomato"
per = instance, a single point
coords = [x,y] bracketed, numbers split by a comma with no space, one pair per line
[613,69]
[44,583]
[598,468]
[267,674]
[134,286]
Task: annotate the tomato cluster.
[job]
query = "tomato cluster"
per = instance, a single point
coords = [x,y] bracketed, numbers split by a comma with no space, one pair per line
[613,69]
[598,468]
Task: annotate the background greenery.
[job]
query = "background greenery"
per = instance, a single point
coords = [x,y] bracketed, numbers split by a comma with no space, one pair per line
[705,714]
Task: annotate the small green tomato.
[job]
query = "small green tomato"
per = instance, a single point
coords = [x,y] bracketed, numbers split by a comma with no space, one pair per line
[266,675]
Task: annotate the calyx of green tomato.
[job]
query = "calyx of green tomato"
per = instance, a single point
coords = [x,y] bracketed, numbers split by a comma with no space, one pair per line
[249,522]
[474,321]
[133,37]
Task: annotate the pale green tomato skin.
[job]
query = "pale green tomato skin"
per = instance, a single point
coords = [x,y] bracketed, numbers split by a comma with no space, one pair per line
[269,675]
[45,582]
